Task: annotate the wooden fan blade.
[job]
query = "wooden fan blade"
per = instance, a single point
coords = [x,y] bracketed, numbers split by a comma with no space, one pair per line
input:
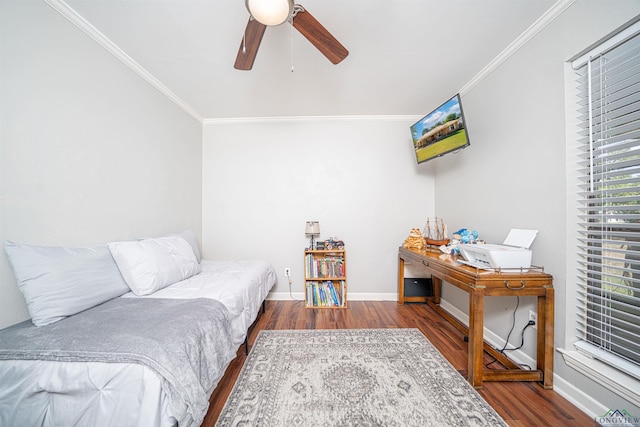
[249,45]
[319,36]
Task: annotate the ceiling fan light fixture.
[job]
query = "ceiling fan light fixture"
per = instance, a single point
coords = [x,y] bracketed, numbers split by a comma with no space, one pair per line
[270,12]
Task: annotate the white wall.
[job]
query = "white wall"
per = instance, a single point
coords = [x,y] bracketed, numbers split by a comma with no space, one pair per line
[358,177]
[89,151]
[513,174]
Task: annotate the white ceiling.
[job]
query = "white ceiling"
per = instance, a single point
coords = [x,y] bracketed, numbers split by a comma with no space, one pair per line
[405,56]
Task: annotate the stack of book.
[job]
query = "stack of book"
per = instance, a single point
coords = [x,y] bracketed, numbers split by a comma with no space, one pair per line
[328,266]
[325,294]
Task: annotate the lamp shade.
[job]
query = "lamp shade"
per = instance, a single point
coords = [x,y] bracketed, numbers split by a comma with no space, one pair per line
[312,228]
[270,12]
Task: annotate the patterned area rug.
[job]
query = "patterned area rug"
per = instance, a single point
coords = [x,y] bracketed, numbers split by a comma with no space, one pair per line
[352,377]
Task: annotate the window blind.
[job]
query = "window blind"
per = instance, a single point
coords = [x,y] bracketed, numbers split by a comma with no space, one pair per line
[608,276]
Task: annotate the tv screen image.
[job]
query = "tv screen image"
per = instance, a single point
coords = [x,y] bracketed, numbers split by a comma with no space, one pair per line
[441,131]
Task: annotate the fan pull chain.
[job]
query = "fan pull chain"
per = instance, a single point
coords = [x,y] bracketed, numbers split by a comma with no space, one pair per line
[292,48]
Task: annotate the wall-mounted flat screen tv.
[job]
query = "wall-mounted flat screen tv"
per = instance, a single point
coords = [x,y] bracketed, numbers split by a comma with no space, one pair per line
[441,131]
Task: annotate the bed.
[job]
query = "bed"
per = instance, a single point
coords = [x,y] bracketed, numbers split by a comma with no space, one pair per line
[147,354]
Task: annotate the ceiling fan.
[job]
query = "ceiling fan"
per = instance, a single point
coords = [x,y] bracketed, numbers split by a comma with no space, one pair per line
[265,13]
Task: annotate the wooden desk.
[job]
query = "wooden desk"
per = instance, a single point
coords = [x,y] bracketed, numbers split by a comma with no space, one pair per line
[480,283]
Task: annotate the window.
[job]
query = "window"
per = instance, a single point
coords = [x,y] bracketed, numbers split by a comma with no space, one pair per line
[608,278]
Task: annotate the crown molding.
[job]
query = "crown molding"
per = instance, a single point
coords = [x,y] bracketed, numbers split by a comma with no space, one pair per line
[300,119]
[74,17]
[70,14]
[548,17]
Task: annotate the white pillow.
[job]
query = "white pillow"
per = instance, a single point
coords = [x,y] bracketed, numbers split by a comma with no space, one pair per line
[149,265]
[191,238]
[57,282]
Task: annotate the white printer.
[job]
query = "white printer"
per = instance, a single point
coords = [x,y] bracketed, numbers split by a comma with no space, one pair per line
[513,254]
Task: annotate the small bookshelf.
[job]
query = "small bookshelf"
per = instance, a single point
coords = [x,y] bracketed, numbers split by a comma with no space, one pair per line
[325,273]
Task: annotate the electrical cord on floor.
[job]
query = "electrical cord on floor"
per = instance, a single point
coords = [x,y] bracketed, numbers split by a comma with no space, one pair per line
[529,323]
[506,343]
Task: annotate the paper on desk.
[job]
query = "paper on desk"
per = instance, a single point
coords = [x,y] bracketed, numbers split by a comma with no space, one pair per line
[520,238]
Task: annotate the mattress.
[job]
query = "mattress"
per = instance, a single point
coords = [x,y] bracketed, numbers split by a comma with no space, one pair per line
[241,286]
[49,393]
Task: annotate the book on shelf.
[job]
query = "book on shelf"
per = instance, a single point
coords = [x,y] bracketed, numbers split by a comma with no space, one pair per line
[333,293]
[325,293]
[324,266]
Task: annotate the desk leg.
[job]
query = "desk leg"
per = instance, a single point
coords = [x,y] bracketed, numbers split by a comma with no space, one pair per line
[400,280]
[544,351]
[437,289]
[476,336]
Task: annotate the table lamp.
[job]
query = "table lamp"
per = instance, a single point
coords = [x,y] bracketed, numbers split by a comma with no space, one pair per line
[312,230]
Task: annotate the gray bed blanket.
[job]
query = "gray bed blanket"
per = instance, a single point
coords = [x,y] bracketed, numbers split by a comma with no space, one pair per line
[186,342]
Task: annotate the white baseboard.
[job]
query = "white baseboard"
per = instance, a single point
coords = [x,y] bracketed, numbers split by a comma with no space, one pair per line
[298,296]
[578,398]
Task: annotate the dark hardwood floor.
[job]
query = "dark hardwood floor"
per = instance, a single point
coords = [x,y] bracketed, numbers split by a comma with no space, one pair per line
[519,403]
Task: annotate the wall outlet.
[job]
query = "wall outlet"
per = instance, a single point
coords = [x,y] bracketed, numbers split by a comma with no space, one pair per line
[287,272]
[533,316]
